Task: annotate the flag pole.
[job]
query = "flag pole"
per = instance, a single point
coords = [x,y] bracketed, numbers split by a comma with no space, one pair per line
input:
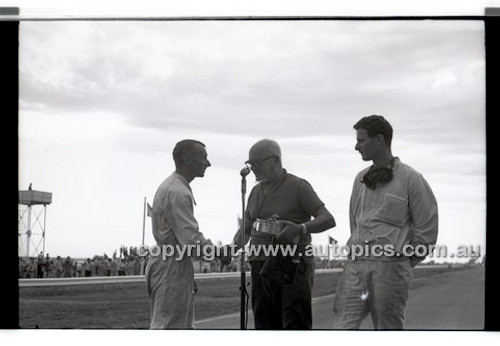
[143,264]
[144,221]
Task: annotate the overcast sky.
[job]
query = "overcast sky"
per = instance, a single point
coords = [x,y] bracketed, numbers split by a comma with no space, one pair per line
[102,105]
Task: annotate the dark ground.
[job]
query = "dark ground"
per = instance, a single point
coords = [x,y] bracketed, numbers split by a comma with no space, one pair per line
[126,306]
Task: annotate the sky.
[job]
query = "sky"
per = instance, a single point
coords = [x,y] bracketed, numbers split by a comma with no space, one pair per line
[102,105]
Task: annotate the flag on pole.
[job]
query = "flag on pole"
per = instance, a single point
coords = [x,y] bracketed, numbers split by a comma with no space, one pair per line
[331,241]
[150,210]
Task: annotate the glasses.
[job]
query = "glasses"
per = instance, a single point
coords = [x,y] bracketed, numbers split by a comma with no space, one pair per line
[257,164]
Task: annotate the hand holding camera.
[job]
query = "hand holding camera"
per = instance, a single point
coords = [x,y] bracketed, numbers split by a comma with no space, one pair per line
[291,232]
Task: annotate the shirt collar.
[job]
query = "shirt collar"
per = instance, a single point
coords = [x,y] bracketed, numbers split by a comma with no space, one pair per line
[185,182]
[395,165]
[182,179]
[279,178]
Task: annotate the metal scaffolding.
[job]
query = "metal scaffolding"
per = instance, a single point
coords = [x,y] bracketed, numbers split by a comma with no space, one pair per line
[32,222]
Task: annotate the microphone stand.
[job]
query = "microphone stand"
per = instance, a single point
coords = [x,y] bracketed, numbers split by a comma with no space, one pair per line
[243,290]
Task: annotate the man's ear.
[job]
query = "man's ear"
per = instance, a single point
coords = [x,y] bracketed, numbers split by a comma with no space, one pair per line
[186,159]
[380,139]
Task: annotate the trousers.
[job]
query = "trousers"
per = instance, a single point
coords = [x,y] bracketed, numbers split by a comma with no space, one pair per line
[278,303]
[171,288]
[378,287]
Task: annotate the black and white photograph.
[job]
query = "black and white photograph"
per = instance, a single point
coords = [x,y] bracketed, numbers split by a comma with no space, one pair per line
[229,173]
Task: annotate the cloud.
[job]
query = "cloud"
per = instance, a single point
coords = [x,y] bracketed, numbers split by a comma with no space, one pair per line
[224,75]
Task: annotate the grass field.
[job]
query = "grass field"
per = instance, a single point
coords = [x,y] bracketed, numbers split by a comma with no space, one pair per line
[126,306]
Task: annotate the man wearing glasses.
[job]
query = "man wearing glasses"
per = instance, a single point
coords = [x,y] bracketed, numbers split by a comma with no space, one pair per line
[279,212]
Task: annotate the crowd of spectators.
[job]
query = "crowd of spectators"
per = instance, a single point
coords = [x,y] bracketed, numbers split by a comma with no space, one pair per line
[127,263]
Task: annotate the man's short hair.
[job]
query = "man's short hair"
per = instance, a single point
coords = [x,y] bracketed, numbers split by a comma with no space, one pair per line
[184,147]
[376,125]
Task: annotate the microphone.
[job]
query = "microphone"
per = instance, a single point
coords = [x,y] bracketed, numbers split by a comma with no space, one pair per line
[245,171]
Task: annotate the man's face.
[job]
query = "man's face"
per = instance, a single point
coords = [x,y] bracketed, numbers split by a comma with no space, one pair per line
[262,165]
[366,145]
[199,162]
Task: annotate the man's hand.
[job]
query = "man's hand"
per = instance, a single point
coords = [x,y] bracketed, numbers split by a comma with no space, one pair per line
[290,233]
[414,260]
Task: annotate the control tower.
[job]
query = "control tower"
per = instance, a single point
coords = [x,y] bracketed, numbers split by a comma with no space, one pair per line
[32,221]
